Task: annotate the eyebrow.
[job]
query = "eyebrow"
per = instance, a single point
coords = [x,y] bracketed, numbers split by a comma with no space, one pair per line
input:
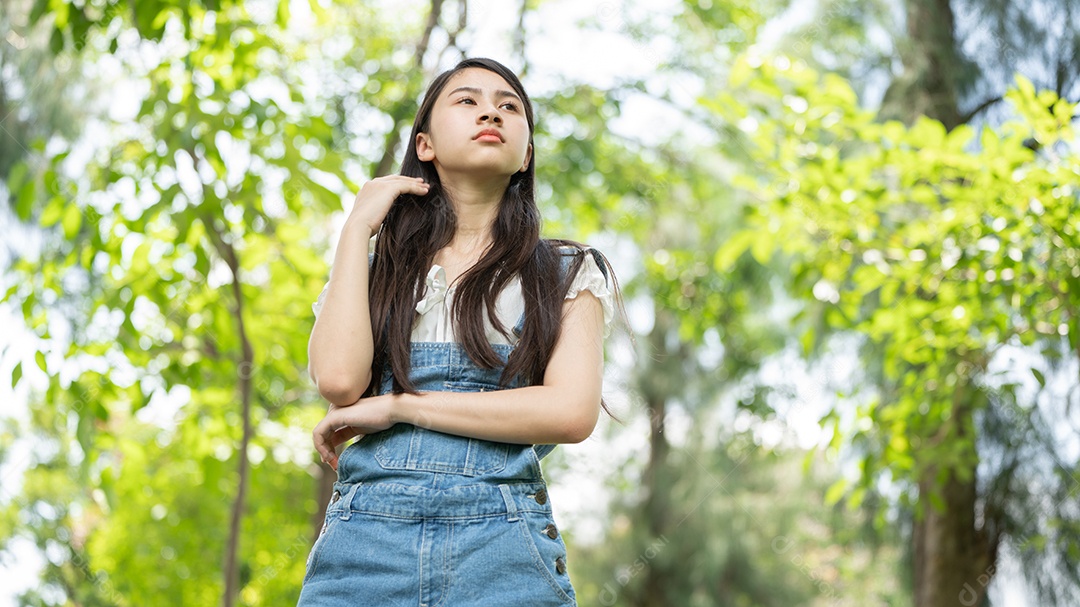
[476,91]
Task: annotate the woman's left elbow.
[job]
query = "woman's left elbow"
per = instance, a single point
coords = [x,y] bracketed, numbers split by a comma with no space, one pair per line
[582,425]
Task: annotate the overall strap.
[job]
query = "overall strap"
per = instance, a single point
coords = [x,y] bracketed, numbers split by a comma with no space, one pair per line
[565,258]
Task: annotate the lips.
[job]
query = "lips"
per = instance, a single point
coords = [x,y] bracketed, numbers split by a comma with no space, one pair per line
[489,135]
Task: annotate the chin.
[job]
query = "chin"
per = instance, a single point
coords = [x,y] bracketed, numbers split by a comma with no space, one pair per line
[489,170]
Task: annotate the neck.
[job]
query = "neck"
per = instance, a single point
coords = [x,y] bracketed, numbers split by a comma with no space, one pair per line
[476,204]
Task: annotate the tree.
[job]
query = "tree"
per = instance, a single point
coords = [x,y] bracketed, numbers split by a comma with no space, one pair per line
[944,260]
[642,194]
[956,58]
[245,141]
[174,232]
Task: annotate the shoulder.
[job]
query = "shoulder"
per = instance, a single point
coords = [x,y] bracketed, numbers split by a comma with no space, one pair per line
[581,256]
[586,269]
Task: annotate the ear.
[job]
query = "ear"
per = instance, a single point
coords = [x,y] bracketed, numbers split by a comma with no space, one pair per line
[425,151]
[528,157]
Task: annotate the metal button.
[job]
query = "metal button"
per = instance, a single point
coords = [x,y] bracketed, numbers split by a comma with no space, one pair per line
[541,497]
[560,566]
[335,497]
[551,531]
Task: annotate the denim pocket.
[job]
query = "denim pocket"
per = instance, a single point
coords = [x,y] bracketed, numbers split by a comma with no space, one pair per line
[547,553]
[470,386]
[408,447]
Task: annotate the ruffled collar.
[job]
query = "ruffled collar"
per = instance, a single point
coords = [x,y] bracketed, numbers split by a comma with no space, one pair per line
[435,289]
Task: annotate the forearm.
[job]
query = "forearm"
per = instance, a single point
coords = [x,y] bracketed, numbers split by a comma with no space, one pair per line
[341,345]
[531,415]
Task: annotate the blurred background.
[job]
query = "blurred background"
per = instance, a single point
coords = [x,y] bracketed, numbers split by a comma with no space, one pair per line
[846,232]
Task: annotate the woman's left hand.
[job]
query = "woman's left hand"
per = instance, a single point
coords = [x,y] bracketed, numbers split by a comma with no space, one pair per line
[365,416]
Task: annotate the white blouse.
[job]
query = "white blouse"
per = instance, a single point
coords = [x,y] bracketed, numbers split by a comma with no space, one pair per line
[434,322]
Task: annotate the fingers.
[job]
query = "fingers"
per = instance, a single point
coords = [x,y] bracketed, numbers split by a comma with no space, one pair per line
[375,198]
[412,185]
[420,188]
[327,437]
[400,182]
[343,434]
[321,436]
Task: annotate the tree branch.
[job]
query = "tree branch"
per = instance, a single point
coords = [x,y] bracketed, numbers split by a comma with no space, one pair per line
[244,373]
[245,366]
[399,113]
[519,38]
[979,108]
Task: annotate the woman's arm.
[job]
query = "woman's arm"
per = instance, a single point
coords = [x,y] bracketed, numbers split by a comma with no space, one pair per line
[564,409]
[341,345]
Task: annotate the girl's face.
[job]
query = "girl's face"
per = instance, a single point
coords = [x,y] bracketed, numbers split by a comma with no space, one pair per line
[478,127]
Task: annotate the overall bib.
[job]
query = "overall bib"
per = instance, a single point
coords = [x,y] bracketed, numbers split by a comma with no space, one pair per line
[420,518]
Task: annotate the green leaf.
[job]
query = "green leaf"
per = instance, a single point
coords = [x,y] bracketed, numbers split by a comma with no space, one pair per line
[56,40]
[858,495]
[39,356]
[1024,85]
[835,492]
[18,183]
[16,375]
[1039,377]
[937,501]
[25,200]
[140,401]
[317,8]
[41,7]
[53,212]
[72,221]
[283,12]
[761,248]
[927,133]
[731,250]
[84,431]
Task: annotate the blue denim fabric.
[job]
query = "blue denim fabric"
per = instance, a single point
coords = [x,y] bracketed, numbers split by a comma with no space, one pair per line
[421,518]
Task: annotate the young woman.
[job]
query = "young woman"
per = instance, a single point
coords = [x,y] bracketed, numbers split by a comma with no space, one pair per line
[460,350]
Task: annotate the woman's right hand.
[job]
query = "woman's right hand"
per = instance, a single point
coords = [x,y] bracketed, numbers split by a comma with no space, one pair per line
[375,197]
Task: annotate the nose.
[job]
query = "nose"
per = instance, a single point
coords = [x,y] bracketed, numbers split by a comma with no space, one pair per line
[492,115]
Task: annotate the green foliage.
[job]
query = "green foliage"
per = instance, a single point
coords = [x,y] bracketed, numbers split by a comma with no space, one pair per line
[748,526]
[938,248]
[195,224]
[155,535]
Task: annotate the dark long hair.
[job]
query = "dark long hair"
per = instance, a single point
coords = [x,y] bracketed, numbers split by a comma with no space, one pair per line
[417,227]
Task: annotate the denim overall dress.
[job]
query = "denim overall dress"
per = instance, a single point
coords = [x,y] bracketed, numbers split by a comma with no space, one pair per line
[420,518]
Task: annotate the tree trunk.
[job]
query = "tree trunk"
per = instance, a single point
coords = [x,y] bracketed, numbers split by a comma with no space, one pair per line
[932,66]
[656,386]
[954,554]
[245,371]
[656,502]
[953,561]
[948,567]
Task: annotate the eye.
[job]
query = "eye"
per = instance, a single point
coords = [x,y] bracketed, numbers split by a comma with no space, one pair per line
[510,105]
[468,99]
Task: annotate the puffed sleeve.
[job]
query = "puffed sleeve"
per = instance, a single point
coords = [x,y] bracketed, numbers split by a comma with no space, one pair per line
[590,278]
[316,307]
